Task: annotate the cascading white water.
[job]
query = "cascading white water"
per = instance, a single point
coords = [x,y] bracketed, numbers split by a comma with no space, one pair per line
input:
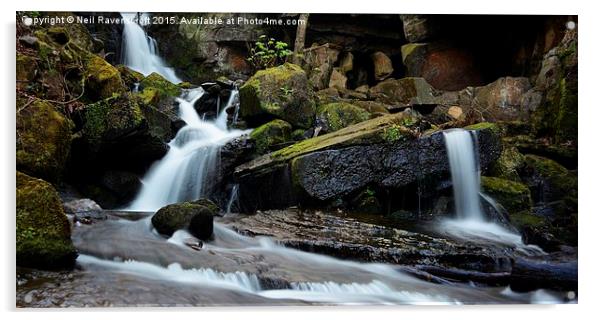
[192,161]
[464,171]
[139,51]
[470,223]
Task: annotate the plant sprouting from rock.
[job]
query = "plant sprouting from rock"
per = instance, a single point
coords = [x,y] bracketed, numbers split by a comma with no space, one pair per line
[268,52]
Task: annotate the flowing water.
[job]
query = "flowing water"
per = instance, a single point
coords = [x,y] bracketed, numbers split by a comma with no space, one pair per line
[139,51]
[192,161]
[470,223]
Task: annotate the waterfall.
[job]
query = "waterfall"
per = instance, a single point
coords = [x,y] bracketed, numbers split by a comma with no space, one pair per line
[233,198]
[139,51]
[192,162]
[470,223]
[464,169]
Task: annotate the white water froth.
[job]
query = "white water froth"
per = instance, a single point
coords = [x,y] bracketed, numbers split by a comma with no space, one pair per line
[189,167]
[139,51]
[470,223]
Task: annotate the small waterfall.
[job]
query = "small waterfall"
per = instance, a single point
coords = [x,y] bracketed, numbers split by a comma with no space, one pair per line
[139,51]
[470,223]
[233,198]
[189,168]
[465,174]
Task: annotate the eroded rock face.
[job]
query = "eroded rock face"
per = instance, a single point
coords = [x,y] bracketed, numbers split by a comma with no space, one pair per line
[43,231]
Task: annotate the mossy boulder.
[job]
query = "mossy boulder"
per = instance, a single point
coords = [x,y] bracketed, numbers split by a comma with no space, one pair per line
[130,77]
[508,164]
[282,92]
[513,196]
[43,139]
[43,231]
[102,79]
[548,179]
[485,125]
[162,86]
[272,133]
[335,116]
[26,68]
[195,216]
[112,118]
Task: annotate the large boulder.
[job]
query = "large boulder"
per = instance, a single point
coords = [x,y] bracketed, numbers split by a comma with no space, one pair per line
[43,139]
[195,216]
[43,231]
[335,116]
[548,179]
[282,92]
[102,79]
[505,99]
[270,134]
[380,152]
[383,67]
[444,67]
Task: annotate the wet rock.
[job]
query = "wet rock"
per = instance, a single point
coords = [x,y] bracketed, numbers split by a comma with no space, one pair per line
[513,196]
[270,134]
[181,215]
[335,116]
[43,232]
[201,225]
[529,275]
[381,152]
[383,67]
[84,210]
[282,92]
[43,139]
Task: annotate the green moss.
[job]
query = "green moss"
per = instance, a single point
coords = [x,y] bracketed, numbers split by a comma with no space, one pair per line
[272,133]
[162,85]
[111,117]
[561,180]
[408,49]
[525,219]
[393,133]
[485,126]
[507,165]
[298,134]
[129,76]
[150,96]
[282,92]
[26,67]
[513,196]
[43,232]
[102,79]
[43,139]
[338,115]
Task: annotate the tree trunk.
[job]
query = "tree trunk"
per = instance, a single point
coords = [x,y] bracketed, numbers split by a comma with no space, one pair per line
[300,38]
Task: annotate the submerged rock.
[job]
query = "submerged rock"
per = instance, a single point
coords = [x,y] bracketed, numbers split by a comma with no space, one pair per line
[43,231]
[282,92]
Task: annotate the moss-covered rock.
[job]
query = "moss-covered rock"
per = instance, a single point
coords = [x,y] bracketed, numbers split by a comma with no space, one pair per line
[160,85]
[43,232]
[43,139]
[282,92]
[177,216]
[513,196]
[508,164]
[130,77]
[485,125]
[102,79]
[272,133]
[336,116]
[26,68]
[548,179]
[112,118]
